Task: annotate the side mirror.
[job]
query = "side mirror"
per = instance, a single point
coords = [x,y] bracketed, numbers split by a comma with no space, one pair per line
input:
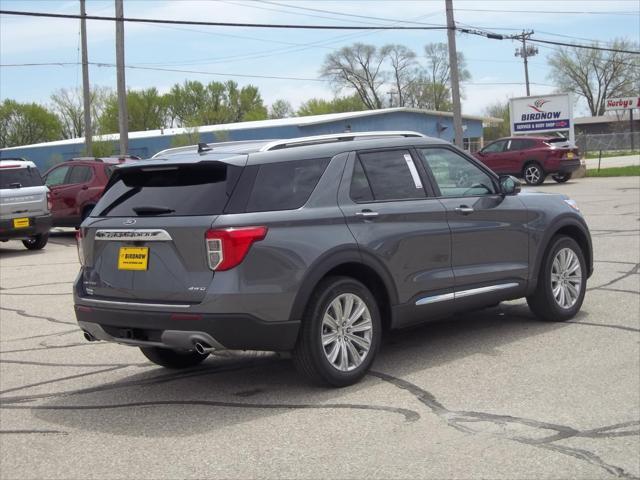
[510,185]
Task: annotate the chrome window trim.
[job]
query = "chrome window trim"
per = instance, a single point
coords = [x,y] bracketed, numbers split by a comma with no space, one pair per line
[133,234]
[465,293]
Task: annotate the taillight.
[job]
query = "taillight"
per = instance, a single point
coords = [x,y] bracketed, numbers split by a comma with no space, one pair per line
[226,248]
[49,202]
[79,245]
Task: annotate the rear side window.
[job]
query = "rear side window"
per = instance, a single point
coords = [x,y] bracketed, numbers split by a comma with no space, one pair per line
[80,174]
[201,189]
[19,177]
[285,185]
[521,144]
[392,175]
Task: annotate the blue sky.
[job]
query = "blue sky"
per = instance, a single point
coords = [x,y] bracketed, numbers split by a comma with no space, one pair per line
[289,53]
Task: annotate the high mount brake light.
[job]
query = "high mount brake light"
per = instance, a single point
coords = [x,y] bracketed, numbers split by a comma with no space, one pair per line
[227,248]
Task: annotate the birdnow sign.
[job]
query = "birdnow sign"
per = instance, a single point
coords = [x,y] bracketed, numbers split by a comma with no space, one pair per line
[545,113]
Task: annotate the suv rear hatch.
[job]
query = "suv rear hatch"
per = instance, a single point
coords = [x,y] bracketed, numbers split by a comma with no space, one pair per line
[145,239]
[22,192]
[563,148]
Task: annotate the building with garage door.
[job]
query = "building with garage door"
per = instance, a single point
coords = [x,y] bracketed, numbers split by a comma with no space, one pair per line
[145,144]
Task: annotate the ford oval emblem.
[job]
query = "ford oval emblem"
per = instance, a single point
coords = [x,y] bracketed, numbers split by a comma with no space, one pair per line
[130,221]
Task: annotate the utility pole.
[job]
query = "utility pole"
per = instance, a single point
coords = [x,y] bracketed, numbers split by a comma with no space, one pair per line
[86,94]
[455,84]
[123,116]
[525,52]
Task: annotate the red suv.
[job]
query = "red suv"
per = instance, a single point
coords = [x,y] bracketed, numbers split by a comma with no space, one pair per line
[531,158]
[76,185]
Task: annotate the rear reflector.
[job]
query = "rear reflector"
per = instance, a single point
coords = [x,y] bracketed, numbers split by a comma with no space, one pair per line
[82,308]
[227,248]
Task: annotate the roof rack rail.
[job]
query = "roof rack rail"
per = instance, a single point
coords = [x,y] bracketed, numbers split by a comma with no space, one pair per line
[334,137]
[14,159]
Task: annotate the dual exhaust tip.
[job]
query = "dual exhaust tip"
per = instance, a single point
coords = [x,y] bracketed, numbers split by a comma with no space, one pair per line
[201,348]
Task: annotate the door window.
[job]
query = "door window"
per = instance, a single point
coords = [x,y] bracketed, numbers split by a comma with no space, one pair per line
[455,175]
[79,174]
[391,175]
[495,147]
[57,176]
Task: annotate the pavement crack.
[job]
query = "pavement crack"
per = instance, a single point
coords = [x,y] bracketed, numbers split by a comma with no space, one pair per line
[23,313]
[541,434]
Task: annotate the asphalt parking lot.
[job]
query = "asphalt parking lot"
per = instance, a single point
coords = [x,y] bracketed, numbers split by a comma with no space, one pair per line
[491,394]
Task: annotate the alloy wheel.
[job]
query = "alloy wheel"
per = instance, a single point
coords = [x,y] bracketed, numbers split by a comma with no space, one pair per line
[532,174]
[346,332]
[566,278]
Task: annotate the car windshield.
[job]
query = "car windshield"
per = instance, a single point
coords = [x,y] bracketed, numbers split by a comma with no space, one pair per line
[20,177]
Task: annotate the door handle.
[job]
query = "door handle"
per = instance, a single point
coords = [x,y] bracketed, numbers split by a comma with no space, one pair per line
[464,210]
[367,213]
[84,187]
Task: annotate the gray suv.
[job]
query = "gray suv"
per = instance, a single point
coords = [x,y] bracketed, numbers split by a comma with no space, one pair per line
[316,246]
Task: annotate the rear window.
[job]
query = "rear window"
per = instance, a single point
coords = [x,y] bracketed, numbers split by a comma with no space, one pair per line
[201,189]
[285,185]
[20,177]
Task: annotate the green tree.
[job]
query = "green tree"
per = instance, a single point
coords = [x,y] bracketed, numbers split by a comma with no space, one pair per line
[281,109]
[147,110]
[596,75]
[319,106]
[497,130]
[27,123]
[191,136]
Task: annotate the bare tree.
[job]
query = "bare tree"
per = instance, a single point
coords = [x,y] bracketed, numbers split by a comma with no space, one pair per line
[403,64]
[359,67]
[68,105]
[596,74]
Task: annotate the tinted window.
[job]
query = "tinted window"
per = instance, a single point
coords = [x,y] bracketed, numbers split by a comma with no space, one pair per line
[79,174]
[392,175]
[19,177]
[360,189]
[494,147]
[455,175]
[521,144]
[174,191]
[285,185]
[57,176]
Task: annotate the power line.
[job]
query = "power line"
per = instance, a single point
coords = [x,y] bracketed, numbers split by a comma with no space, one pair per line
[591,47]
[557,12]
[220,24]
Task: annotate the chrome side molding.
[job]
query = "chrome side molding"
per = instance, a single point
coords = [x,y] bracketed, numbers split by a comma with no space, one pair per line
[465,293]
[134,304]
[134,235]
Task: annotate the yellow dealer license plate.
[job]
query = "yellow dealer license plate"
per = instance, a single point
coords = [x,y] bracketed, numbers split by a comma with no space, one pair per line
[570,155]
[133,258]
[20,222]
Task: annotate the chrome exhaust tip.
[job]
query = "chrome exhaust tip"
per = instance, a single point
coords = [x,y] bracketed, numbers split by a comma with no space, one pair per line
[203,348]
[88,337]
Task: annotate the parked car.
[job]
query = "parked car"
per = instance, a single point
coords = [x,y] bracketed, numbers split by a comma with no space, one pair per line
[24,208]
[532,158]
[316,246]
[76,185]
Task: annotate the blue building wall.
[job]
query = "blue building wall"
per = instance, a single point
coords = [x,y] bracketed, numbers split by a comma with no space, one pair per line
[47,155]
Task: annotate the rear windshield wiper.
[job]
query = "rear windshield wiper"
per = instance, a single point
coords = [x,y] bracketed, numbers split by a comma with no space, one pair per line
[15,185]
[152,210]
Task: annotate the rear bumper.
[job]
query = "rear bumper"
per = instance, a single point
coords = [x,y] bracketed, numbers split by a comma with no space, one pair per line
[37,226]
[180,330]
[568,166]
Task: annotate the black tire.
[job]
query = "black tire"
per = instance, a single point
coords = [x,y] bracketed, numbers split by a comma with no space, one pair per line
[168,358]
[37,242]
[561,177]
[309,355]
[533,173]
[543,302]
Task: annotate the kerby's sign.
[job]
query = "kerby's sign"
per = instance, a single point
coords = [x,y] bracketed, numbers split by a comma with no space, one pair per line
[626,103]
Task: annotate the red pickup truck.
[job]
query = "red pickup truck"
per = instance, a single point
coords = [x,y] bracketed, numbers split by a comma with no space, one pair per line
[531,158]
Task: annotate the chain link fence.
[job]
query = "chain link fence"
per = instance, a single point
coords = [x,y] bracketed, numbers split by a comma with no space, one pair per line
[608,142]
